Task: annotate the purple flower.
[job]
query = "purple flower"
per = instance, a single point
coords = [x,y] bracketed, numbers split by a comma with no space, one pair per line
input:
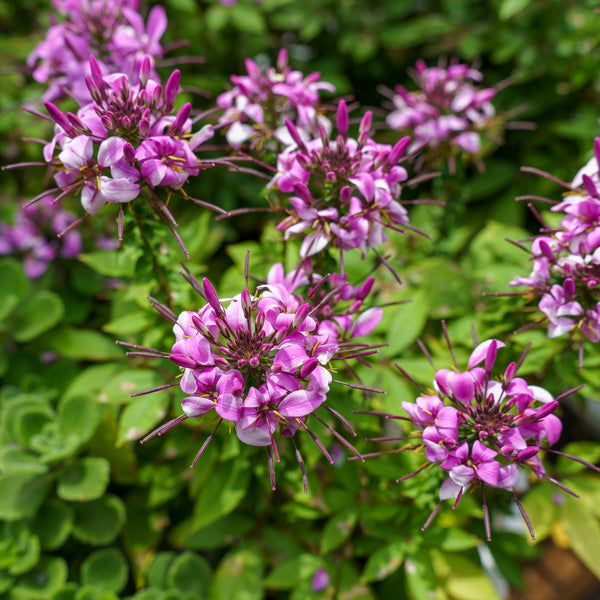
[259,361]
[447,114]
[34,236]
[111,30]
[343,191]
[482,429]
[256,108]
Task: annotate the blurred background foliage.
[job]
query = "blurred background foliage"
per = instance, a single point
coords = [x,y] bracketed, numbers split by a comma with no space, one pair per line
[87,513]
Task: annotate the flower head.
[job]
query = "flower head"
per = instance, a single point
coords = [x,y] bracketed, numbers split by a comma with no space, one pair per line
[342,191]
[259,361]
[481,427]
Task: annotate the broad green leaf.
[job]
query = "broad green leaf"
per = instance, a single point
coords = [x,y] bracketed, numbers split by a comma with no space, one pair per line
[226,489]
[99,522]
[91,380]
[48,576]
[116,263]
[585,450]
[541,508]
[467,580]
[65,592]
[338,530]
[53,524]
[222,532]
[29,419]
[14,286]
[85,479]
[22,494]
[141,416]
[420,577]
[38,315]
[384,561]
[78,416]
[405,323]
[583,531]
[91,592]
[450,540]
[290,572]
[248,18]
[82,344]
[189,572]
[510,8]
[239,575]
[157,573]
[19,548]
[15,460]
[119,388]
[106,569]
[131,323]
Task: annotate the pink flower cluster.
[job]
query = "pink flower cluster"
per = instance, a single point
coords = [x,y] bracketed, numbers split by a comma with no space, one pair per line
[111,30]
[566,261]
[256,107]
[343,191]
[262,361]
[125,140]
[447,110]
[482,430]
[34,236]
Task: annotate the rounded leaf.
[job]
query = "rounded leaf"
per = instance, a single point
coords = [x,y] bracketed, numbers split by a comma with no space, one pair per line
[85,479]
[99,522]
[53,524]
[22,494]
[189,572]
[38,315]
[49,575]
[106,569]
[78,416]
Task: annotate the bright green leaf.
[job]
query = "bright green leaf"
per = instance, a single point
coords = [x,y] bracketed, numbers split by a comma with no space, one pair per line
[384,561]
[22,494]
[337,530]
[290,572]
[85,479]
[83,344]
[189,572]
[239,575]
[141,416]
[38,315]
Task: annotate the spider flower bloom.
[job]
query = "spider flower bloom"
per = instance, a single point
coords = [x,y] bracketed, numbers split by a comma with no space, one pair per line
[257,361]
[343,191]
[448,113]
[256,108]
[34,236]
[111,30]
[481,427]
[127,141]
[566,261]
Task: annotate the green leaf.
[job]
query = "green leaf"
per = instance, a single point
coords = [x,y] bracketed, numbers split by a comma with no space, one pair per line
[82,344]
[467,580]
[223,532]
[78,416]
[85,479]
[239,575]
[22,494]
[189,572]
[99,522]
[15,460]
[48,576]
[19,548]
[91,380]
[157,573]
[228,485]
[384,561]
[405,323]
[30,420]
[420,577]
[510,8]
[65,592]
[106,569]
[117,263]
[338,530]
[290,572]
[131,323]
[89,592]
[450,540]
[38,315]
[14,286]
[119,388]
[248,18]
[141,416]
[583,531]
[53,524]
[541,509]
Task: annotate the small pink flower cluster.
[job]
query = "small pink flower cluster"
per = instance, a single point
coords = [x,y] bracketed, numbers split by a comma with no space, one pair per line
[343,191]
[111,30]
[125,140]
[263,362]
[566,261]
[258,104]
[481,430]
[34,236]
[447,110]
